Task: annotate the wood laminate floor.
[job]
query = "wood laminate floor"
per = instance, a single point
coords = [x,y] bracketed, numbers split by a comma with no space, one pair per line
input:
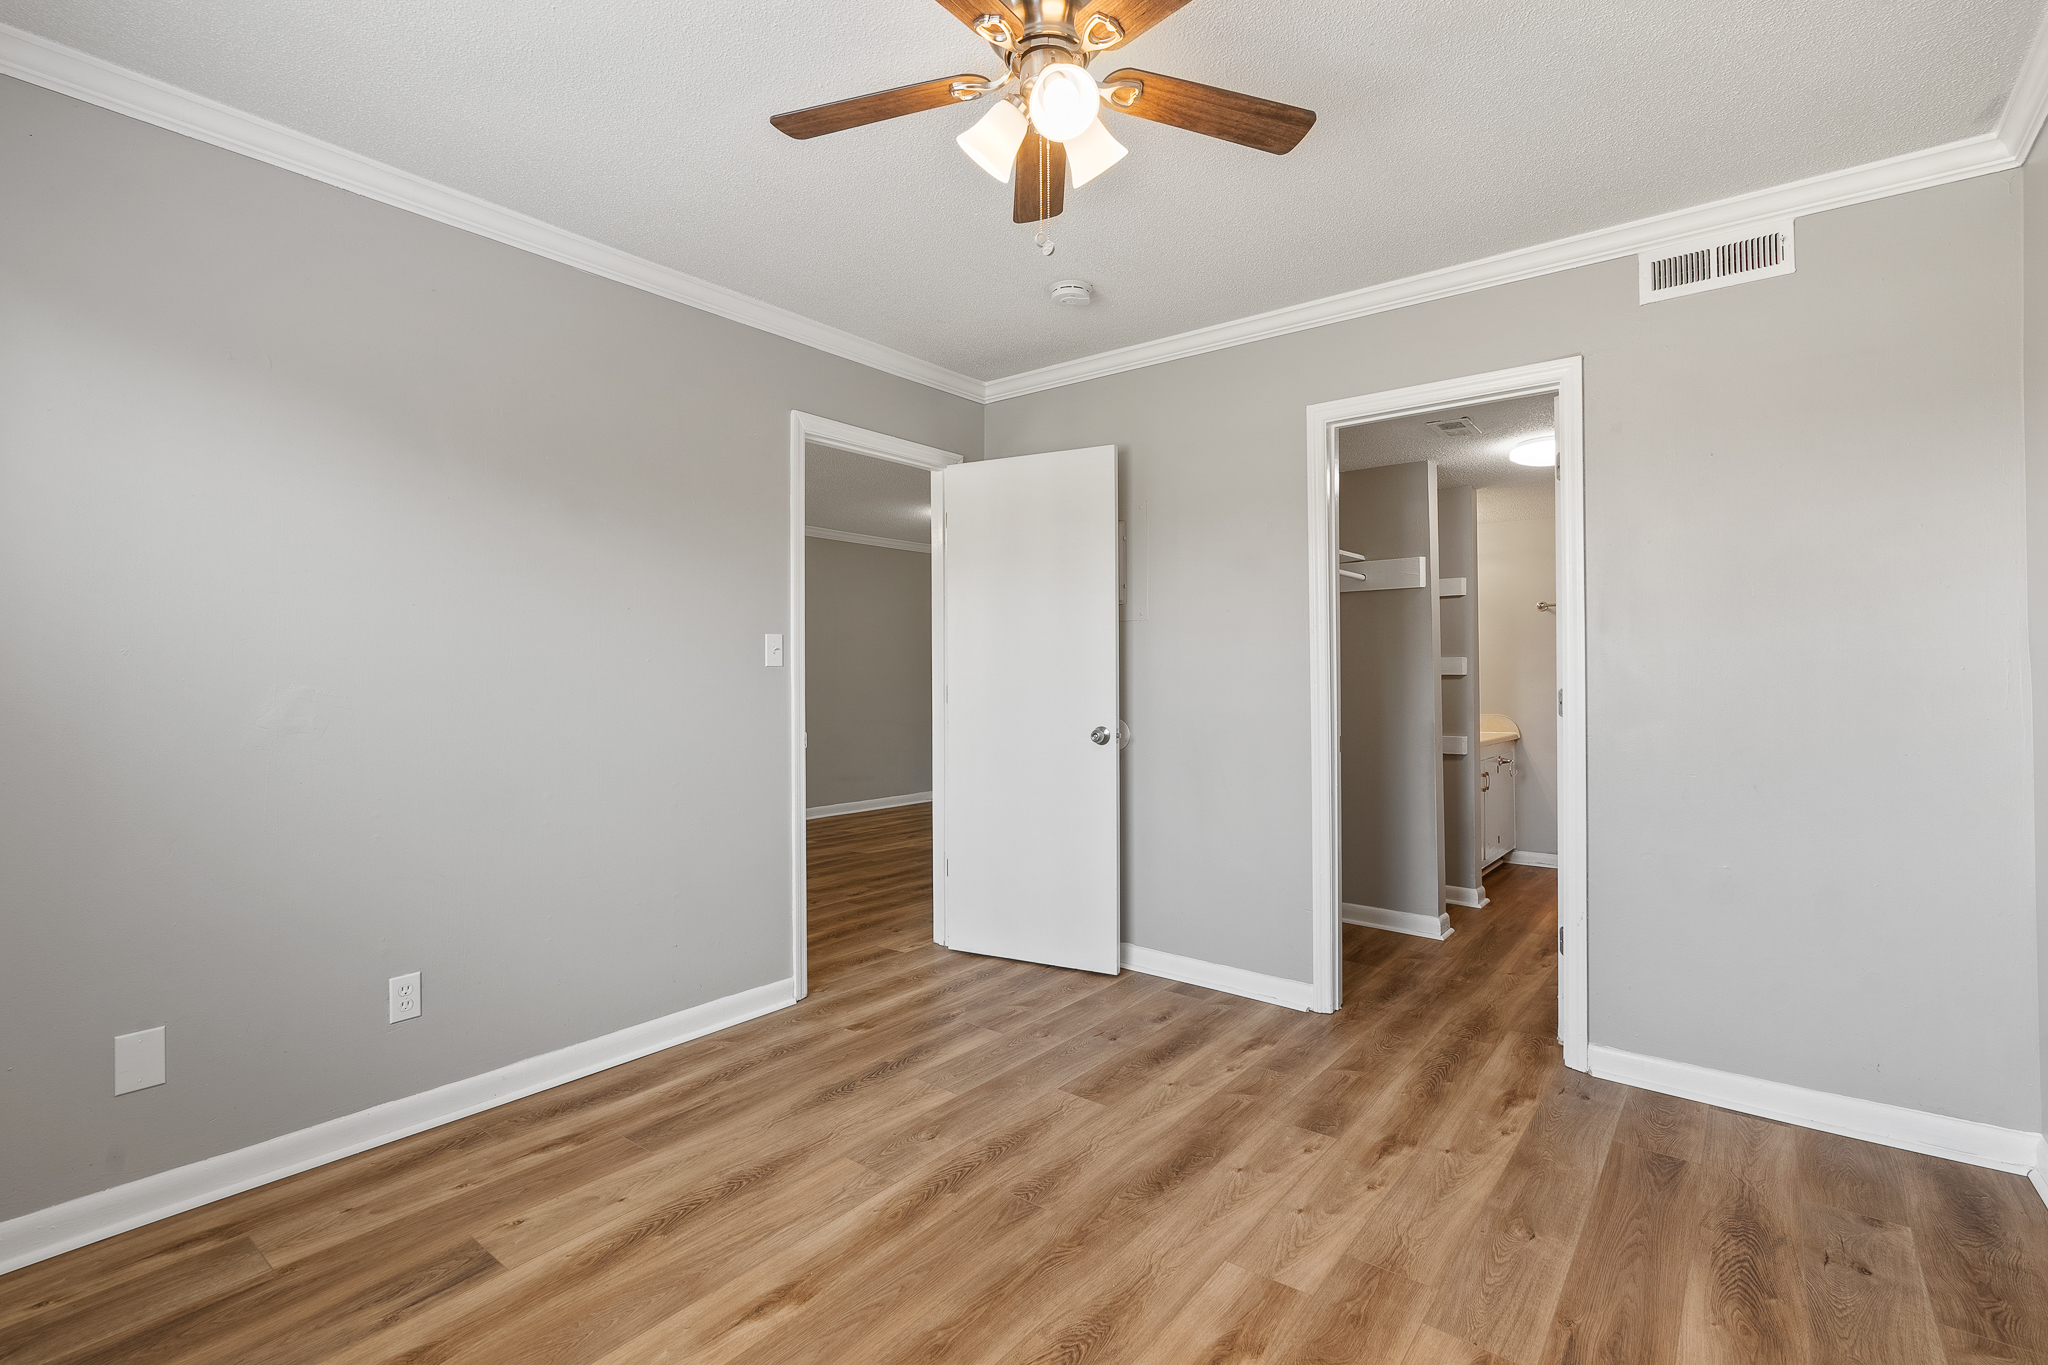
[944,1158]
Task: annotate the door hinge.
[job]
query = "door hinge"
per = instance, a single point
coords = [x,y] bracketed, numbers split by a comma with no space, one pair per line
[949,872]
[1560,940]
[1560,701]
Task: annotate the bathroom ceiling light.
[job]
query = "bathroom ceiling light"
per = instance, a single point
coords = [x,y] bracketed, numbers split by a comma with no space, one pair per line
[1539,450]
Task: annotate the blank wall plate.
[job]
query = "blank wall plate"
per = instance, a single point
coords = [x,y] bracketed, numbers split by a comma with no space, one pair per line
[405,997]
[138,1060]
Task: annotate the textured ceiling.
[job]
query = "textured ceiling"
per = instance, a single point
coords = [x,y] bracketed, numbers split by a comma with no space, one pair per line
[1449,130]
[1506,491]
[867,496]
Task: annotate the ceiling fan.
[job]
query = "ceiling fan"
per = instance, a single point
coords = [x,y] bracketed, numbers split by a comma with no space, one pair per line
[1045,122]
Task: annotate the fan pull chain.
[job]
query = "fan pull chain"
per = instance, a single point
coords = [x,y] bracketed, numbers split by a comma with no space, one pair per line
[1045,243]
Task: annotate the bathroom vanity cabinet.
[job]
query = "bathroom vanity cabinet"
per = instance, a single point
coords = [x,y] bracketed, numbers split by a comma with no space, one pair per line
[1498,740]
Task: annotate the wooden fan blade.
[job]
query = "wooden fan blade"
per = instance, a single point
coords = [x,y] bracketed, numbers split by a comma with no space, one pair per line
[1039,164]
[968,11]
[833,118]
[1244,119]
[1133,16]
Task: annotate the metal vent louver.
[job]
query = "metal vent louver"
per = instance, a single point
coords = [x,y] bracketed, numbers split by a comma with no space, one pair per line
[1696,266]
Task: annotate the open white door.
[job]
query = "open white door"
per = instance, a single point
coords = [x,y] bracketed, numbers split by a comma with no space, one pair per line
[1025,797]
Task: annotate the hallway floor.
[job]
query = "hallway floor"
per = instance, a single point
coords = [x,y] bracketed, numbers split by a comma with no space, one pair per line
[944,1158]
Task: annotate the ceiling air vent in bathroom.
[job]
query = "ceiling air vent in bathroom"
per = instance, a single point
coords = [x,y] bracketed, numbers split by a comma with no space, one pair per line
[1755,252]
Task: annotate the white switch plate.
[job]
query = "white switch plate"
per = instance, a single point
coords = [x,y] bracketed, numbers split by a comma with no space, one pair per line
[138,1060]
[771,651]
[405,997]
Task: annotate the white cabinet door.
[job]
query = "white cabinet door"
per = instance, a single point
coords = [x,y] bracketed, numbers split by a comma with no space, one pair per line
[1026,816]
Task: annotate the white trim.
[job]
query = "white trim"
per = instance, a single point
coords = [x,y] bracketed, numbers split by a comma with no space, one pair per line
[1437,926]
[2039,1175]
[1913,1130]
[91,1218]
[1471,897]
[878,803]
[1953,161]
[856,538]
[42,62]
[1274,990]
[809,429]
[1562,377]
[1523,858]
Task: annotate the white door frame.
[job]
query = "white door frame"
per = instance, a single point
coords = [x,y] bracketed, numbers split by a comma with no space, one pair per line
[805,429]
[1565,379]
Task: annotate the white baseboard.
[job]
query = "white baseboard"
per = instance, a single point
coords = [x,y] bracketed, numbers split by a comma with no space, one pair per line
[878,803]
[1914,1130]
[1522,859]
[1400,921]
[1274,990]
[2039,1175]
[90,1218]
[1471,897]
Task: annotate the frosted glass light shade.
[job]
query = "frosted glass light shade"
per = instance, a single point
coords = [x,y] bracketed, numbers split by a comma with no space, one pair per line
[1540,450]
[1092,153]
[1064,100]
[993,141]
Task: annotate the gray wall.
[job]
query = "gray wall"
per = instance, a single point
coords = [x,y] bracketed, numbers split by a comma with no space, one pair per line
[1518,663]
[1458,634]
[1392,717]
[373,598]
[868,671]
[1806,521]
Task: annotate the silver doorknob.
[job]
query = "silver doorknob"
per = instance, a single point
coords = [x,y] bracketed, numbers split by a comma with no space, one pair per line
[1100,734]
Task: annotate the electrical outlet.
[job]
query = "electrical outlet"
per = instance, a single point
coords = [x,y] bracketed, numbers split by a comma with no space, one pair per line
[405,997]
[138,1060]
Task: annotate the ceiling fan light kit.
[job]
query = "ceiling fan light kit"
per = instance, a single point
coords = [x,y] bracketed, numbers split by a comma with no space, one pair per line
[1046,121]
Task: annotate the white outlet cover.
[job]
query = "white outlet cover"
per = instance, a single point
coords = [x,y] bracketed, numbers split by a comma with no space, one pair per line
[138,1060]
[405,997]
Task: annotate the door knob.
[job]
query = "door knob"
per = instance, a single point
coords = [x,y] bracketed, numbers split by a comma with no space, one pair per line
[1100,734]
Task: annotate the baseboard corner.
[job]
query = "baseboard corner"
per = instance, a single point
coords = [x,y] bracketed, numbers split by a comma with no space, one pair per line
[1437,926]
[1274,990]
[1888,1125]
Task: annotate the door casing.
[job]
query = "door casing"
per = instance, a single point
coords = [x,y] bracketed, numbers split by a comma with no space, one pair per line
[1564,378]
[806,429]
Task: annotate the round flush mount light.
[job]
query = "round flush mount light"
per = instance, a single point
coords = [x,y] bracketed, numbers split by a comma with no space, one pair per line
[1540,450]
[1073,293]
[1063,102]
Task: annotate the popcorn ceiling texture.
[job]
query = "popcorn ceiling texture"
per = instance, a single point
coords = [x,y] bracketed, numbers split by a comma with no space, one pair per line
[1447,132]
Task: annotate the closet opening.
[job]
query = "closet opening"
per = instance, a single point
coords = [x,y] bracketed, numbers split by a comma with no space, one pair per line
[1451,796]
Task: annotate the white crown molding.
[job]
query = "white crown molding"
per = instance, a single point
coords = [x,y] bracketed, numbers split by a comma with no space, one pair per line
[1913,1130]
[2026,108]
[1914,171]
[94,1217]
[69,72]
[1274,990]
[855,538]
[44,63]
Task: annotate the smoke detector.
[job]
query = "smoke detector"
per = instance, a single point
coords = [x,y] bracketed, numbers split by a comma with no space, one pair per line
[1073,293]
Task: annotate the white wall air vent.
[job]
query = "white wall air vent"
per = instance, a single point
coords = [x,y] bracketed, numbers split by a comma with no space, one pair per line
[1756,252]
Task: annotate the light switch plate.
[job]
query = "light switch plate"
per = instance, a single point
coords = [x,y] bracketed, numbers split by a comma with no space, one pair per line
[771,651]
[138,1060]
